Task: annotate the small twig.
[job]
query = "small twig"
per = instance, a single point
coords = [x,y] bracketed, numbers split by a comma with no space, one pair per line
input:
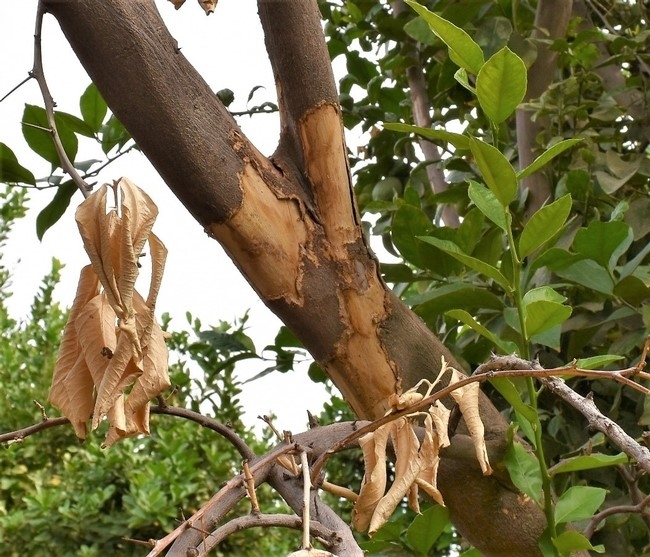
[598,518]
[306,487]
[37,73]
[29,76]
[42,409]
[326,536]
[249,483]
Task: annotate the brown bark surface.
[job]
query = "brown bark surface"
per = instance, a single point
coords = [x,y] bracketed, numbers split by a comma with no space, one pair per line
[289,222]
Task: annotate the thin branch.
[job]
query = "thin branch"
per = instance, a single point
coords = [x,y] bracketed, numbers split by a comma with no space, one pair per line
[549,377]
[37,73]
[306,486]
[598,518]
[29,76]
[420,103]
[325,535]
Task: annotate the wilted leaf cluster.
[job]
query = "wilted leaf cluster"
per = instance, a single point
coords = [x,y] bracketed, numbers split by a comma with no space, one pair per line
[416,461]
[113,357]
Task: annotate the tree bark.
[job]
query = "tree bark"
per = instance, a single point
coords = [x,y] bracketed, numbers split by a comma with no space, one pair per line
[289,222]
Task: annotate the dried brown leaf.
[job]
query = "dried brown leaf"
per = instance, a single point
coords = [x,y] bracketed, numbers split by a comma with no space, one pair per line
[440,416]
[430,456]
[112,342]
[407,468]
[373,487]
[467,398]
[177,3]
[208,5]
[72,387]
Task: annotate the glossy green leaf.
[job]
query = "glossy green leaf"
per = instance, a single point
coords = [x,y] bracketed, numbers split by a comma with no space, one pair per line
[547,156]
[426,528]
[488,204]
[578,502]
[543,225]
[55,209]
[604,242]
[496,170]
[471,262]
[588,462]
[38,136]
[544,310]
[501,85]
[524,471]
[456,139]
[462,48]
[505,346]
[11,171]
[570,541]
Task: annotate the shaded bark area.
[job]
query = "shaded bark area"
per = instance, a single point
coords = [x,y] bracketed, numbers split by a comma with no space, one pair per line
[289,222]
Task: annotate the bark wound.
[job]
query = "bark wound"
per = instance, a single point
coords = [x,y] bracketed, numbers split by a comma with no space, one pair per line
[265,236]
[360,366]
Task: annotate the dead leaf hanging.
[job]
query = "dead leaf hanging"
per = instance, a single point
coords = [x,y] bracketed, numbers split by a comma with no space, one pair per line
[113,358]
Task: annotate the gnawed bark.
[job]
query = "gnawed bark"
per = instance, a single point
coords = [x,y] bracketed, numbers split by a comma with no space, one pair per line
[289,222]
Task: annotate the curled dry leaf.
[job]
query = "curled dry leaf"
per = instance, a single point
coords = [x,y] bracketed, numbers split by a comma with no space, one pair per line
[416,464]
[177,3]
[113,359]
[467,399]
[208,5]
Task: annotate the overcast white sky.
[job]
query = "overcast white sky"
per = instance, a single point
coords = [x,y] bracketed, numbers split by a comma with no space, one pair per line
[228,49]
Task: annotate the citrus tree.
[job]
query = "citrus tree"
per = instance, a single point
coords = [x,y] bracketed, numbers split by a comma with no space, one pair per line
[505,168]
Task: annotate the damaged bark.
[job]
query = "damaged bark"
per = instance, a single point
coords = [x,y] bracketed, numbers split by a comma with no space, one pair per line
[290,222]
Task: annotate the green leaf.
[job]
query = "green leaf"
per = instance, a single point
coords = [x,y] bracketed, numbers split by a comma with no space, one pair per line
[524,471]
[588,462]
[590,274]
[462,48]
[456,139]
[38,136]
[11,171]
[501,85]
[604,242]
[505,346]
[461,77]
[113,133]
[496,170]
[598,361]
[547,156]
[75,124]
[544,310]
[55,209]
[426,528]
[543,225]
[471,262]
[510,393]
[578,502]
[419,30]
[570,541]
[488,204]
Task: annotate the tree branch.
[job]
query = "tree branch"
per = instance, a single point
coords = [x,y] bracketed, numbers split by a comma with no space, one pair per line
[421,117]
[551,21]
[38,74]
